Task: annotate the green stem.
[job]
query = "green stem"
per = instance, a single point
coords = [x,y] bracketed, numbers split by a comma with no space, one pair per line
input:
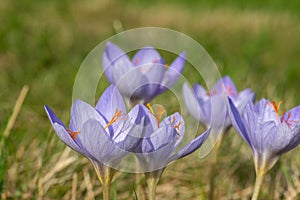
[214,161]
[152,183]
[258,183]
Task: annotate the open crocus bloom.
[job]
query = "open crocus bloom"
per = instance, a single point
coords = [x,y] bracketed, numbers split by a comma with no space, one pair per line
[199,102]
[101,134]
[143,77]
[268,133]
[161,138]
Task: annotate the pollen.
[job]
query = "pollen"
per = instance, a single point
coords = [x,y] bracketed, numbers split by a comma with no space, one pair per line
[117,115]
[73,134]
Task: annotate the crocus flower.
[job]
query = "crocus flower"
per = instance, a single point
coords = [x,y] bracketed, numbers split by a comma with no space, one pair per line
[268,132]
[100,134]
[199,102]
[161,138]
[209,108]
[142,78]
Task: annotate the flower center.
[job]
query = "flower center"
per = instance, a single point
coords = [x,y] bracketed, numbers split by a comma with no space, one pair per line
[117,115]
[276,108]
[73,134]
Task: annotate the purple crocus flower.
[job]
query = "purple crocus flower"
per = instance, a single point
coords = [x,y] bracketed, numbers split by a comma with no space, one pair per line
[161,138]
[142,78]
[101,134]
[199,102]
[268,133]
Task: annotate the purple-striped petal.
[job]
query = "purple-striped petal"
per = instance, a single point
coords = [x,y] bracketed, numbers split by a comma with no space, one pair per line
[191,147]
[237,121]
[80,113]
[110,102]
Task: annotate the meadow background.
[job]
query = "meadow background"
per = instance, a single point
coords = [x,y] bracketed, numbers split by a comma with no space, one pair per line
[42,44]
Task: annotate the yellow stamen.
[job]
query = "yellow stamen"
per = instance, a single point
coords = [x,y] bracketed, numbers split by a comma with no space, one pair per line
[117,115]
[150,108]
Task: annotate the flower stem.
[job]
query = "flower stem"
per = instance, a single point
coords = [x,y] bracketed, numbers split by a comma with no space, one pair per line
[106,191]
[214,161]
[152,180]
[258,183]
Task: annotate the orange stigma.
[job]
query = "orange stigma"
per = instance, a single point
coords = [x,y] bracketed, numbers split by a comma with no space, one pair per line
[158,113]
[177,127]
[117,115]
[276,107]
[288,121]
[73,134]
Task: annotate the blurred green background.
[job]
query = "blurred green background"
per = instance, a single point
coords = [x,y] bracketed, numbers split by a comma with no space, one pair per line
[42,44]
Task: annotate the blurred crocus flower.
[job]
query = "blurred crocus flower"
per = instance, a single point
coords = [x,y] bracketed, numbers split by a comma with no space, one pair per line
[268,132]
[160,141]
[100,134]
[142,78]
[199,102]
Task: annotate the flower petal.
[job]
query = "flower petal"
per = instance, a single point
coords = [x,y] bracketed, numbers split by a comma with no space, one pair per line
[114,59]
[237,121]
[191,147]
[109,102]
[80,113]
[98,143]
[147,55]
[173,73]
[191,101]
[53,118]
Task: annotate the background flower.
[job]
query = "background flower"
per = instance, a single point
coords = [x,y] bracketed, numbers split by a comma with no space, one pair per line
[151,75]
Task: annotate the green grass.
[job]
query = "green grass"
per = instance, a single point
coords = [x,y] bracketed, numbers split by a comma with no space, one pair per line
[42,44]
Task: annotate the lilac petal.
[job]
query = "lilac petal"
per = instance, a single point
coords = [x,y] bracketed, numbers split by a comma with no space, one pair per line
[225,85]
[237,121]
[154,77]
[191,102]
[60,130]
[53,118]
[98,143]
[109,102]
[176,121]
[114,59]
[64,136]
[191,147]
[173,73]
[201,93]
[292,117]
[266,111]
[80,113]
[147,55]
[243,98]
[131,83]
[156,150]
[283,139]
[139,124]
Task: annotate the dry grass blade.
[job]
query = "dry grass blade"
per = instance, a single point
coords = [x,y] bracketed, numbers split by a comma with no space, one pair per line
[14,115]
[89,187]
[74,186]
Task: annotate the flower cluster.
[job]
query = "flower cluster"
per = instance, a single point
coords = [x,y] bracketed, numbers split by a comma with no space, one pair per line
[107,133]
